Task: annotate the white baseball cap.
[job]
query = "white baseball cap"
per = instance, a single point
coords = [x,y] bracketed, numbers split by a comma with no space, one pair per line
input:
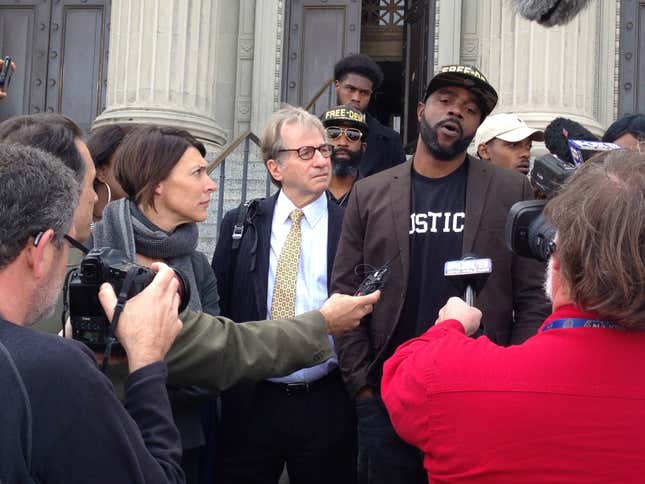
[505,126]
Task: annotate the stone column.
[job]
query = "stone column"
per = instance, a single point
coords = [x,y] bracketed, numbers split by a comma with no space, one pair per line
[541,73]
[162,66]
[267,63]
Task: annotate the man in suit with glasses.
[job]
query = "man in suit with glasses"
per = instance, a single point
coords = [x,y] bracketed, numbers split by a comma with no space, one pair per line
[282,268]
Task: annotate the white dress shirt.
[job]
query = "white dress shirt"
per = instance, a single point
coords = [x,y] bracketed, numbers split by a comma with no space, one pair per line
[311,281]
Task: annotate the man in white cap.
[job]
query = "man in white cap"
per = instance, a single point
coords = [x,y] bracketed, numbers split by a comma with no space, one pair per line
[505,140]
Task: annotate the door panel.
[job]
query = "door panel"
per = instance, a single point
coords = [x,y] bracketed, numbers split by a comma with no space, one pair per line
[632,57]
[79,43]
[320,23]
[60,49]
[24,36]
[319,34]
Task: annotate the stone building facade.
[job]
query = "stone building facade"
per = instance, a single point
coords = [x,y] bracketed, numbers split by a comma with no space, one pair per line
[219,68]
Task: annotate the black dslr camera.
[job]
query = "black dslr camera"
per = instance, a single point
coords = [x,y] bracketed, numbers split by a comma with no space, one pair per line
[89,323]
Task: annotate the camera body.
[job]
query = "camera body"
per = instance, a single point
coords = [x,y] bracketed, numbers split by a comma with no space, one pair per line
[89,323]
[528,233]
[5,73]
[549,173]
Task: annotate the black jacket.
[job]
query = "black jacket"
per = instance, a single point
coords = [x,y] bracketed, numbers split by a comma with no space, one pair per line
[243,288]
[61,421]
[384,148]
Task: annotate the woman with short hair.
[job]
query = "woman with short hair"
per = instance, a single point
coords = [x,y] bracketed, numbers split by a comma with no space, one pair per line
[163,172]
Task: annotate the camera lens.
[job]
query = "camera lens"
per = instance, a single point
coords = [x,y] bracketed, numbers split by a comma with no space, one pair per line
[184,290]
[541,238]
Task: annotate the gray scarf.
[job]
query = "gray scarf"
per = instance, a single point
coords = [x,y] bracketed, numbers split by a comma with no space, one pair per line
[125,228]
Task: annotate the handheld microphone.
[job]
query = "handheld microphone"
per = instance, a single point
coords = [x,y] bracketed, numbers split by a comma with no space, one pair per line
[469,275]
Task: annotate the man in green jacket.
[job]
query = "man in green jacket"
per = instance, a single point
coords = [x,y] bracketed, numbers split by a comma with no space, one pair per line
[215,352]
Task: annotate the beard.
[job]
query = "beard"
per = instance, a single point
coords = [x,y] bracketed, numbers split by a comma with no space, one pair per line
[548,281]
[45,297]
[342,167]
[431,141]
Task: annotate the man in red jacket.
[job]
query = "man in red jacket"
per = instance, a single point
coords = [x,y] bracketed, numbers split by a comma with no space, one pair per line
[568,405]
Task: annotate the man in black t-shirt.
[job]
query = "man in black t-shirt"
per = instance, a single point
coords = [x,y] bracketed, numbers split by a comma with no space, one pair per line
[438,207]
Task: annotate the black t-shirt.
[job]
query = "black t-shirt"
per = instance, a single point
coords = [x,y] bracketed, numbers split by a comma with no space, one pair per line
[437,221]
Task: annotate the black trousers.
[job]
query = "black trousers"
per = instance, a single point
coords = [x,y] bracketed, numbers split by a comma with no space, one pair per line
[310,429]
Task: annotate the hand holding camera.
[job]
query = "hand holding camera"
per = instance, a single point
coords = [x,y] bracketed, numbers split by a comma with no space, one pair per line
[149,322]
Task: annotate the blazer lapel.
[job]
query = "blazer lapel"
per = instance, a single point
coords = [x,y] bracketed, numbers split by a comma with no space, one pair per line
[400,192]
[263,226]
[334,226]
[478,179]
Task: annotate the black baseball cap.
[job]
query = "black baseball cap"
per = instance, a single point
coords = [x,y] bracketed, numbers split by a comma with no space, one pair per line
[465,76]
[345,115]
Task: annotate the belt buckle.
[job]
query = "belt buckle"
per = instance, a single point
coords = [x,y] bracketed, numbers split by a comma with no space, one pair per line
[296,388]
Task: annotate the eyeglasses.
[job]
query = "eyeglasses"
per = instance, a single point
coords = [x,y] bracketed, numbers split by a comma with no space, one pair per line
[352,134]
[307,152]
[70,240]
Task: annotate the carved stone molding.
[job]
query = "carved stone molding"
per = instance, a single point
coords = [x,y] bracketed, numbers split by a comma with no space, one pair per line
[245,47]
[469,50]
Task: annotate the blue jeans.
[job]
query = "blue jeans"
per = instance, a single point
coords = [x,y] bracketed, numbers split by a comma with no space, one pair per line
[383,456]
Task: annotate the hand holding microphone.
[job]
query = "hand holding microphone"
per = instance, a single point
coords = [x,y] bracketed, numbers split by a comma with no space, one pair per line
[469,275]
[469,316]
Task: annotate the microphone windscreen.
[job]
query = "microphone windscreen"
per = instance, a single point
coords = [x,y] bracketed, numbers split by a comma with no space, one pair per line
[549,12]
[556,141]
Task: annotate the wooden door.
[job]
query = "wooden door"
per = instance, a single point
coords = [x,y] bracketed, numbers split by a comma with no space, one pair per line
[319,33]
[60,48]
[632,57]
[419,58]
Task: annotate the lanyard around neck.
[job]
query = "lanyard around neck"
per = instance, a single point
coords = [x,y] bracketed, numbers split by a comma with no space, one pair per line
[569,323]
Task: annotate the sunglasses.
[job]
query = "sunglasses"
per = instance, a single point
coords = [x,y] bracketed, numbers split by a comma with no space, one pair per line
[352,134]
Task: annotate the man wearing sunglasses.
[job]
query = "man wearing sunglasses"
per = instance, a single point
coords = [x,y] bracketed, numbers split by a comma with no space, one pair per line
[356,77]
[347,131]
[282,268]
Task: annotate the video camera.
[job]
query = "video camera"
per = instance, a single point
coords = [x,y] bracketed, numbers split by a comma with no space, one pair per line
[528,233]
[550,171]
[89,323]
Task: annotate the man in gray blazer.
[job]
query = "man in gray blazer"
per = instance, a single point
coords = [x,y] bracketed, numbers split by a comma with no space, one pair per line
[439,206]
